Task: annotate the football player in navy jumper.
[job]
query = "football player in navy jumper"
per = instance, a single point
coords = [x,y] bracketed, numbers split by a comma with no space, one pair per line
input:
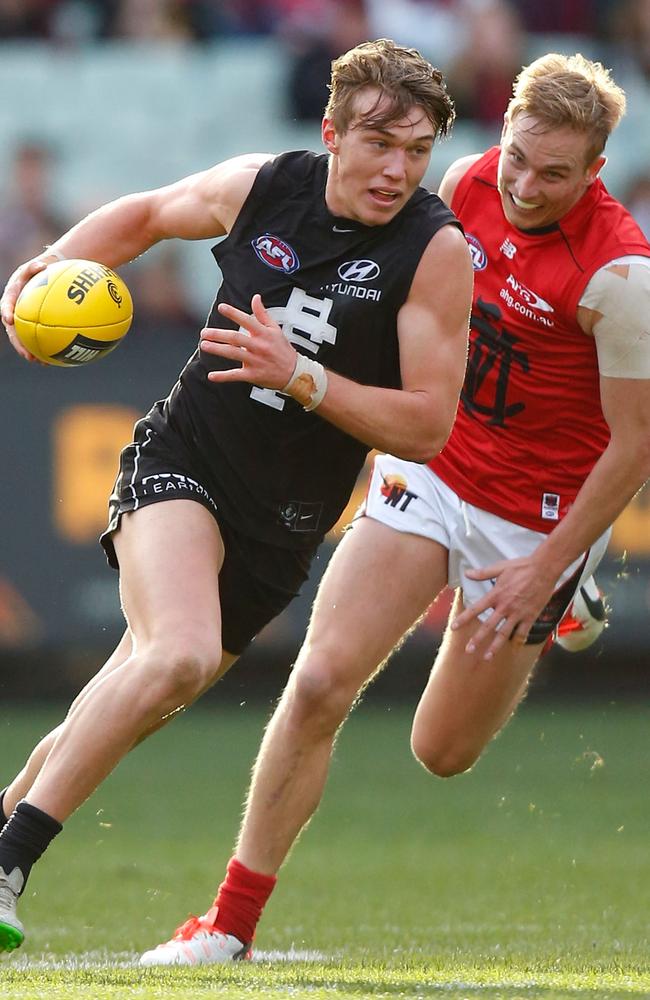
[574,409]
[340,326]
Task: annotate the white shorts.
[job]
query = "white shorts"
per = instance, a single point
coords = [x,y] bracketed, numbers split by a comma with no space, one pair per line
[411,498]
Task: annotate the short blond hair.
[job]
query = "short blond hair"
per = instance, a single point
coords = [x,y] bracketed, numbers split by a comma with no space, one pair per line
[570,91]
[401,74]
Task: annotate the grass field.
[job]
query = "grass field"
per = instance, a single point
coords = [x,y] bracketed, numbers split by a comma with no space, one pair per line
[527,877]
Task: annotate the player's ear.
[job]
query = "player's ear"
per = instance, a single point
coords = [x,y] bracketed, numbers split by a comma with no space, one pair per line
[594,168]
[329,135]
[505,127]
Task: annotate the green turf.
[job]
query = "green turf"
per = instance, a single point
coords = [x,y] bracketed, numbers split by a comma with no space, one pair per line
[527,877]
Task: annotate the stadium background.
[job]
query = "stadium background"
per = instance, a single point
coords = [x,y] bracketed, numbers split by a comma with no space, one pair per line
[102,98]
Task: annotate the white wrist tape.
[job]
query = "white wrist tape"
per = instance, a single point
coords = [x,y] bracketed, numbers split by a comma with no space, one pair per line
[52,252]
[308,384]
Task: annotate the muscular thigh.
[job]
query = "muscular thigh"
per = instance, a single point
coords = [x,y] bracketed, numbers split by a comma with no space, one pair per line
[467,698]
[378,583]
[169,555]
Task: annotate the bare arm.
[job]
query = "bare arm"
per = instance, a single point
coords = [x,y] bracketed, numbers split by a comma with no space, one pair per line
[524,586]
[198,207]
[453,175]
[413,422]
[619,474]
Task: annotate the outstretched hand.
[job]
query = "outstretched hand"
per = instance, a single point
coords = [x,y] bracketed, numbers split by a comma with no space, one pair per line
[266,357]
[521,590]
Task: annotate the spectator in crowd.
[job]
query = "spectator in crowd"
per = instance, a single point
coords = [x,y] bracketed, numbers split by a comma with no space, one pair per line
[318,31]
[75,22]
[195,20]
[28,221]
[437,27]
[480,78]
[173,21]
[161,294]
[575,17]
[629,25]
[25,18]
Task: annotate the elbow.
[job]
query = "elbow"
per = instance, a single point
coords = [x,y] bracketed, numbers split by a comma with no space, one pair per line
[421,449]
[421,456]
[424,436]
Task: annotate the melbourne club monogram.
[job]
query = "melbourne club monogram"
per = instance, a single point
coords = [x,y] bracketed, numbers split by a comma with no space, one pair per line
[493,349]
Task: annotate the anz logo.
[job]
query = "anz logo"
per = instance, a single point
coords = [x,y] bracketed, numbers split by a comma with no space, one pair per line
[359,270]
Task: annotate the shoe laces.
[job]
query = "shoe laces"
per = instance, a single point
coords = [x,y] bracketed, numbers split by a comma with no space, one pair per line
[194,924]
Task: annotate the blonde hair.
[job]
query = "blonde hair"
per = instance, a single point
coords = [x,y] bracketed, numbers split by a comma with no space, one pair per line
[570,91]
[402,75]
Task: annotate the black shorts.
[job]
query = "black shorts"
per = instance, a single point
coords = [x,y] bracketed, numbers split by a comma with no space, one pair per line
[257,580]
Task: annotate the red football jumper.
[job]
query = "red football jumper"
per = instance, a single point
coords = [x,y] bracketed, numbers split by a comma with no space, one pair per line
[530,427]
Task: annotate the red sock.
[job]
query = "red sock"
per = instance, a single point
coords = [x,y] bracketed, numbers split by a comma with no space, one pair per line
[241,898]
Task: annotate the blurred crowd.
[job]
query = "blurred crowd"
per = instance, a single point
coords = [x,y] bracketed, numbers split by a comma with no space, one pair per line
[477,41]
[201,19]
[480,45]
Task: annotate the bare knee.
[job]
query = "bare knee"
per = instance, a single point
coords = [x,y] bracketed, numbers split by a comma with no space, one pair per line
[443,758]
[318,696]
[175,672]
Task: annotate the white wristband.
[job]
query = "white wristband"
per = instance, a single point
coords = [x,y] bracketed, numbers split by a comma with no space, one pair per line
[308,384]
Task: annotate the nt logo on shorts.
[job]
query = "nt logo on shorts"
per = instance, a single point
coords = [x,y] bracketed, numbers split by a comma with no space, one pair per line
[395,491]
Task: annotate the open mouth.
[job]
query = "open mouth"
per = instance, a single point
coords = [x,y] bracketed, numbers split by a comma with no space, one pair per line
[384,196]
[523,206]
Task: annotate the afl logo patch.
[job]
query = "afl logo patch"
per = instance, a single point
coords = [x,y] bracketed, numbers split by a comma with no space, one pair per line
[275,253]
[476,252]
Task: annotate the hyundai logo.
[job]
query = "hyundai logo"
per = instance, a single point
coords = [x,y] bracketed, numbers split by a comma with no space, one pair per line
[359,270]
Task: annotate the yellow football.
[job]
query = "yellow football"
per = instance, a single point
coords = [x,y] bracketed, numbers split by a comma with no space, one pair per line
[73,312]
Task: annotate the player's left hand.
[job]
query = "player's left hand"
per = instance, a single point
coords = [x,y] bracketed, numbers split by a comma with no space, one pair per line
[266,357]
[521,590]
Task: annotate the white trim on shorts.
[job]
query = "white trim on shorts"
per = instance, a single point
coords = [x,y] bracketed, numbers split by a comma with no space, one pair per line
[412,498]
